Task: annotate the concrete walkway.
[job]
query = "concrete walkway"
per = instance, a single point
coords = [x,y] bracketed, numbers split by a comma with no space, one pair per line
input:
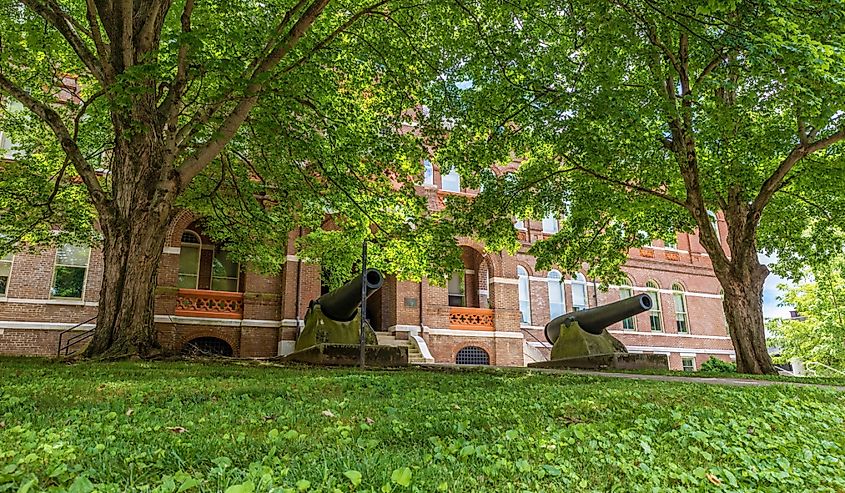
[737,382]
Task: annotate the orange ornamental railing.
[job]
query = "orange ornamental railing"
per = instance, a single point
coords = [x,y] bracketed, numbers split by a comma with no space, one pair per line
[213,304]
[470,318]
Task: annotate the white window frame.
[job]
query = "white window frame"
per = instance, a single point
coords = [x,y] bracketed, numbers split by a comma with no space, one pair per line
[237,279]
[461,275]
[550,224]
[199,256]
[682,312]
[555,283]
[653,290]
[524,295]
[690,358]
[633,320]
[11,262]
[428,173]
[453,178]
[519,224]
[84,277]
[579,282]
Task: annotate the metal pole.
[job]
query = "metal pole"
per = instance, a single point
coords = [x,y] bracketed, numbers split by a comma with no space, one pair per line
[363,312]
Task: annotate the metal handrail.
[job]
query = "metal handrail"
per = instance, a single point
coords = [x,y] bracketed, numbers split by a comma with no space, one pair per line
[826,367]
[75,339]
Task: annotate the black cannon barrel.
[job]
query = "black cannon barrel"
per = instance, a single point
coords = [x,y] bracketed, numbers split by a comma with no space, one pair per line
[595,320]
[342,303]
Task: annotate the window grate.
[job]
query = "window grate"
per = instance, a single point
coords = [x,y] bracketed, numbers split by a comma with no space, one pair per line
[207,346]
[472,355]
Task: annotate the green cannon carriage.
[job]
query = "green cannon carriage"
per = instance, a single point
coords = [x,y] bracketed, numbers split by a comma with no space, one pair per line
[580,339]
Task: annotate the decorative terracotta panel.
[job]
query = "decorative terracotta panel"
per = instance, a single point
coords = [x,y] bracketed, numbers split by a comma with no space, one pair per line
[206,303]
[647,252]
[672,256]
[462,318]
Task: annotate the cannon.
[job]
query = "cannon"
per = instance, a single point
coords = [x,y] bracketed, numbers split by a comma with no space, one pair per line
[580,339]
[334,318]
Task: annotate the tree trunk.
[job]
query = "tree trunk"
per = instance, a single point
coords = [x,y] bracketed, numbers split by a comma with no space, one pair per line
[742,283]
[134,228]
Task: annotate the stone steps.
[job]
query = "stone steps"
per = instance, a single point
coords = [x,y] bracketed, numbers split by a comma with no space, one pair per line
[414,355]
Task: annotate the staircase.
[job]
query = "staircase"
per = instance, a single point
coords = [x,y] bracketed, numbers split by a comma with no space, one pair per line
[415,357]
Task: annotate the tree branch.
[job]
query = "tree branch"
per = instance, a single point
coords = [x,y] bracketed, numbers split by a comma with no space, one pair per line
[54,121]
[51,12]
[771,185]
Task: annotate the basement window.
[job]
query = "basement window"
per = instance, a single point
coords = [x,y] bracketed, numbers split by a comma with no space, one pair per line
[472,355]
[688,363]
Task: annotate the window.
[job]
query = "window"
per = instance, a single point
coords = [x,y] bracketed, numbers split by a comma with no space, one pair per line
[681,317]
[524,295]
[452,181]
[672,243]
[550,224]
[457,293]
[654,315]
[472,355]
[556,304]
[519,224]
[69,274]
[688,363]
[626,291]
[428,173]
[189,260]
[714,223]
[5,272]
[579,292]
[225,274]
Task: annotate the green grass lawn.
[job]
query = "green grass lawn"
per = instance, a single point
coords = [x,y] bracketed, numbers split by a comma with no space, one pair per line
[207,427]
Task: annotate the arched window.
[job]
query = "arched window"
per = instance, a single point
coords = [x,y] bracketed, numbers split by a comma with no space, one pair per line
[189,260]
[654,315]
[579,292]
[681,316]
[451,182]
[472,355]
[626,291]
[428,172]
[556,305]
[524,295]
[550,224]
[714,223]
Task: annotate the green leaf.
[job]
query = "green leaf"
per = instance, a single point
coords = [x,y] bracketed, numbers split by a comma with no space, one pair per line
[247,487]
[401,476]
[354,477]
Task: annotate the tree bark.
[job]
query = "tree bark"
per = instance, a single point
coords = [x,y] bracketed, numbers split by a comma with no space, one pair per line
[742,281]
[134,232]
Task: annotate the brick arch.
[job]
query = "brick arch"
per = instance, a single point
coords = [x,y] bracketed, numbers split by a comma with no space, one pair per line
[180,222]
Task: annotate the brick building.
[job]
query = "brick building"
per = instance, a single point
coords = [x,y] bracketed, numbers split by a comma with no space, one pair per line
[492,312]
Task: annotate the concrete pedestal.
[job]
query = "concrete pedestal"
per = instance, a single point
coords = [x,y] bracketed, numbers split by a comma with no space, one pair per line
[612,361]
[347,355]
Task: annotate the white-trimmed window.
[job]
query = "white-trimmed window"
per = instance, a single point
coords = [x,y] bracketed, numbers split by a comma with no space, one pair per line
[451,182]
[654,315]
[225,274]
[456,288]
[681,315]
[557,307]
[519,224]
[428,172]
[714,223]
[524,295]
[579,292]
[550,224]
[5,272]
[189,260]
[70,272]
[688,363]
[626,291]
